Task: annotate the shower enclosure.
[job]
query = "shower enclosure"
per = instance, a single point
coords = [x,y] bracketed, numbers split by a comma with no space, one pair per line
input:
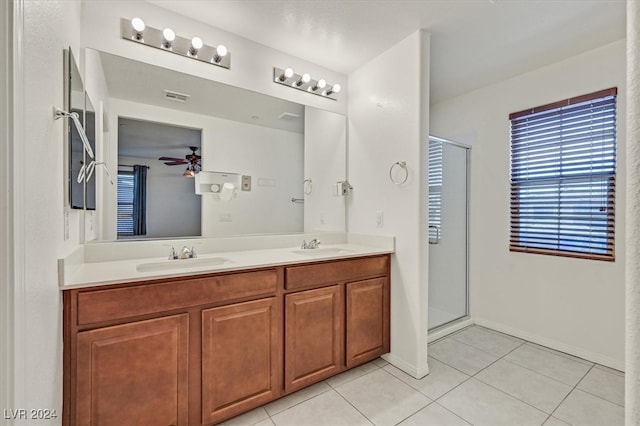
[448,232]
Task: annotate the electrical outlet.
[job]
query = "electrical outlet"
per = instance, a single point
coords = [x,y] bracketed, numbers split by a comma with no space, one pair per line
[323,219]
[379,219]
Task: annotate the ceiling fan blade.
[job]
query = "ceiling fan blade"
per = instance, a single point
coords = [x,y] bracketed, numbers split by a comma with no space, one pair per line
[175,163]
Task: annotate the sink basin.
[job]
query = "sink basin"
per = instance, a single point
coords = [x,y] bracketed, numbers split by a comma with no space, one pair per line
[324,251]
[180,264]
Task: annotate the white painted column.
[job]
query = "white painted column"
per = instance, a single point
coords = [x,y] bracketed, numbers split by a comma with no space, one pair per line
[632,377]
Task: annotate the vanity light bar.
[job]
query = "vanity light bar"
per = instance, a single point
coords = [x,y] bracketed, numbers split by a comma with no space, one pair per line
[287,77]
[166,39]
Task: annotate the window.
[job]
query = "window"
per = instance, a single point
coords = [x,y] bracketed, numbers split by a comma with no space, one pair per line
[435,191]
[132,201]
[125,203]
[563,165]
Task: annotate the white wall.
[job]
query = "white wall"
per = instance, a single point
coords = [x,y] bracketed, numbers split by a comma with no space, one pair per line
[173,208]
[388,122]
[49,27]
[251,63]
[6,165]
[325,150]
[273,158]
[570,304]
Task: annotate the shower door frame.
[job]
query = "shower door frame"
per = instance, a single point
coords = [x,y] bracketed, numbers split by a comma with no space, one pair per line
[463,320]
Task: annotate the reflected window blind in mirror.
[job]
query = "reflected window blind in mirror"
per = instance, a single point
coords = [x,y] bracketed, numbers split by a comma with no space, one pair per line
[125,203]
[563,172]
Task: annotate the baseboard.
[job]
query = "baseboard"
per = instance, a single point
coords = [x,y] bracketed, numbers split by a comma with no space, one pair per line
[412,370]
[553,344]
[445,330]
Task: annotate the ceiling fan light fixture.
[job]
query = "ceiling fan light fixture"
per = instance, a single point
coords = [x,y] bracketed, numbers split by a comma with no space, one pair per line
[189,172]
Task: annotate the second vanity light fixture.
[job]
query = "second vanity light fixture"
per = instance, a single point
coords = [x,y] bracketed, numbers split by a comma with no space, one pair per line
[137,31]
[288,77]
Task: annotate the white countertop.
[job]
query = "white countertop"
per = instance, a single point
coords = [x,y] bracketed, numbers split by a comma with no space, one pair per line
[76,272]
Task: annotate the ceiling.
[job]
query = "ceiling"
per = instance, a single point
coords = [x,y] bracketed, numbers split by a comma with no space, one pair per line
[474,43]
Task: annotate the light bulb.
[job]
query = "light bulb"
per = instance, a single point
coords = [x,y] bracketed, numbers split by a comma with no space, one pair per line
[221,52]
[138,28]
[196,44]
[319,85]
[304,79]
[138,24]
[169,36]
[334,89]
[287,73]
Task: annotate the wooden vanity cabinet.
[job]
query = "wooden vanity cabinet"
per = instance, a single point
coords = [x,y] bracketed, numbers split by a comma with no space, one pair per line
[135,371]
[202,349]
[339,325]
[182,351]
[367,320]
[240,343]
[314,330]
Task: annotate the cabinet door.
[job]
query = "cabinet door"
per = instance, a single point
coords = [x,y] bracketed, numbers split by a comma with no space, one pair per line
[239,358]
[367,320]
[314,336]
[134,373]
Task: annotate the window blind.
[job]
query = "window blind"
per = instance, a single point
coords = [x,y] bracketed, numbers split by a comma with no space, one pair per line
[563,166]
[125,203]
[435,191]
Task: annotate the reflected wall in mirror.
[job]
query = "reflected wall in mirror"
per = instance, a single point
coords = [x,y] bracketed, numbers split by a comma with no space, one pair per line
[155,200]
[241,132]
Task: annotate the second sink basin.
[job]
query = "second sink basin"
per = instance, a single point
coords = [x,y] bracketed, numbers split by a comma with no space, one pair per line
[180,264]
[324,251]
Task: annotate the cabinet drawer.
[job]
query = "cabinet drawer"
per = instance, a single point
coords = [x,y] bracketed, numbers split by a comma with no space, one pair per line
[112,304]
[331,272]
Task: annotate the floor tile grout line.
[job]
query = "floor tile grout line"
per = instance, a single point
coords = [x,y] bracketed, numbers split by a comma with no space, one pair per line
[454,413]
[592,394]
[562,354]
[300,402]
[351,404]
[539,373]
[571,391]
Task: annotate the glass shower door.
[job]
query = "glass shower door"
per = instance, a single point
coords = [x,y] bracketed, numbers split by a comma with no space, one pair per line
[448,232]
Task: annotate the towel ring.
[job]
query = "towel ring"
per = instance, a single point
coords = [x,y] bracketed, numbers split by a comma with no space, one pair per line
[403,166]
[308,186]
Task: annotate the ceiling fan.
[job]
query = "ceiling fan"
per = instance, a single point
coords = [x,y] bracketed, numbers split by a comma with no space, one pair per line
[191,160]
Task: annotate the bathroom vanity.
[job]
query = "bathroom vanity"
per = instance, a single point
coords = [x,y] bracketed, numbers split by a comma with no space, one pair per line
[200,348]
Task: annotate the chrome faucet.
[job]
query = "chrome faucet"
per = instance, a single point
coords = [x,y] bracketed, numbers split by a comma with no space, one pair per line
[185,253]
[172,254]
[313,244]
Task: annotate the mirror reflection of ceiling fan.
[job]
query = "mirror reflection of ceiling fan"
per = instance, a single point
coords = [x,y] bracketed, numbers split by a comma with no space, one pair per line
[191,160]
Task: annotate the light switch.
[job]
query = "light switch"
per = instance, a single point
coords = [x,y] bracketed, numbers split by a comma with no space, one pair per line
[379,219]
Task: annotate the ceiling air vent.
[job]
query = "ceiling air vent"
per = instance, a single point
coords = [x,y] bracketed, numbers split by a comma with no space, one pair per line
[288,116]
[175,96]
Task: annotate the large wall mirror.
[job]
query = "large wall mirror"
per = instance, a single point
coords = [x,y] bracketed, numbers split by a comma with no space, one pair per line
[166,126]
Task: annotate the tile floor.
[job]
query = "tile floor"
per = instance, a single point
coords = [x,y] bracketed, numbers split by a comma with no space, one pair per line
[477,377]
